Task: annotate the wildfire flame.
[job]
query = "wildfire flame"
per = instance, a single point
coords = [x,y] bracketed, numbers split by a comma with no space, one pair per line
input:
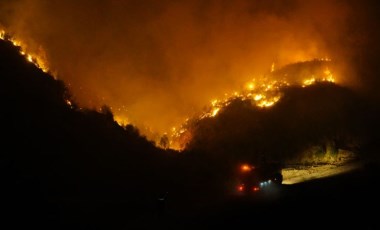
[38,60]
[261,91]
[272,68]
[2,34]
[34,58]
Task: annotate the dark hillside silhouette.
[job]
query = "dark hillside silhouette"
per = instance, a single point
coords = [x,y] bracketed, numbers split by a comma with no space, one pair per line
[53,152]
[304,117]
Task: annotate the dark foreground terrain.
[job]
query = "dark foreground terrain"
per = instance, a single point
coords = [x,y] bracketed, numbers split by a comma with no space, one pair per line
[349,201]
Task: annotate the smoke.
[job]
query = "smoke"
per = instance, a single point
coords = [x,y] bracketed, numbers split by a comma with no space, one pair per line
[156,62]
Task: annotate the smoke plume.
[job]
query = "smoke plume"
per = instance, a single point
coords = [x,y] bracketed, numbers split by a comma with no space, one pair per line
[157,62]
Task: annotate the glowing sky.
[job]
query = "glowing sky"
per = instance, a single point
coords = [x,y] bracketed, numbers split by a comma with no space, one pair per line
[155,63]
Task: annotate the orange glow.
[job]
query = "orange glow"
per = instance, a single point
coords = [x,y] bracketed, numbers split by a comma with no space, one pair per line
[122,121]
[165,71]
[241,188]
[308,81]
[250,86]
[262,92]
[2,34]
[327,72]
[215,112]
[214,102]
[256,189]
[258,97]
[29,58]
[37,60]
[246,168]
[328,77]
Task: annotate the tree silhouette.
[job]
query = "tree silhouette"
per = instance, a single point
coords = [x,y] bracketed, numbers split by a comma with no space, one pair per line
[164,141]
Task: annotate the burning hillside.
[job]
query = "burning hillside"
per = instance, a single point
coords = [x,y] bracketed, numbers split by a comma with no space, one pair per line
[306,125]
[117,112]
[38,59]
[263,92]
[159,74]
[255,100]
[157,63]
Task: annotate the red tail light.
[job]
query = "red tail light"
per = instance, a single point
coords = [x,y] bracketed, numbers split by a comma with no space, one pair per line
[241,188]
[256,189]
